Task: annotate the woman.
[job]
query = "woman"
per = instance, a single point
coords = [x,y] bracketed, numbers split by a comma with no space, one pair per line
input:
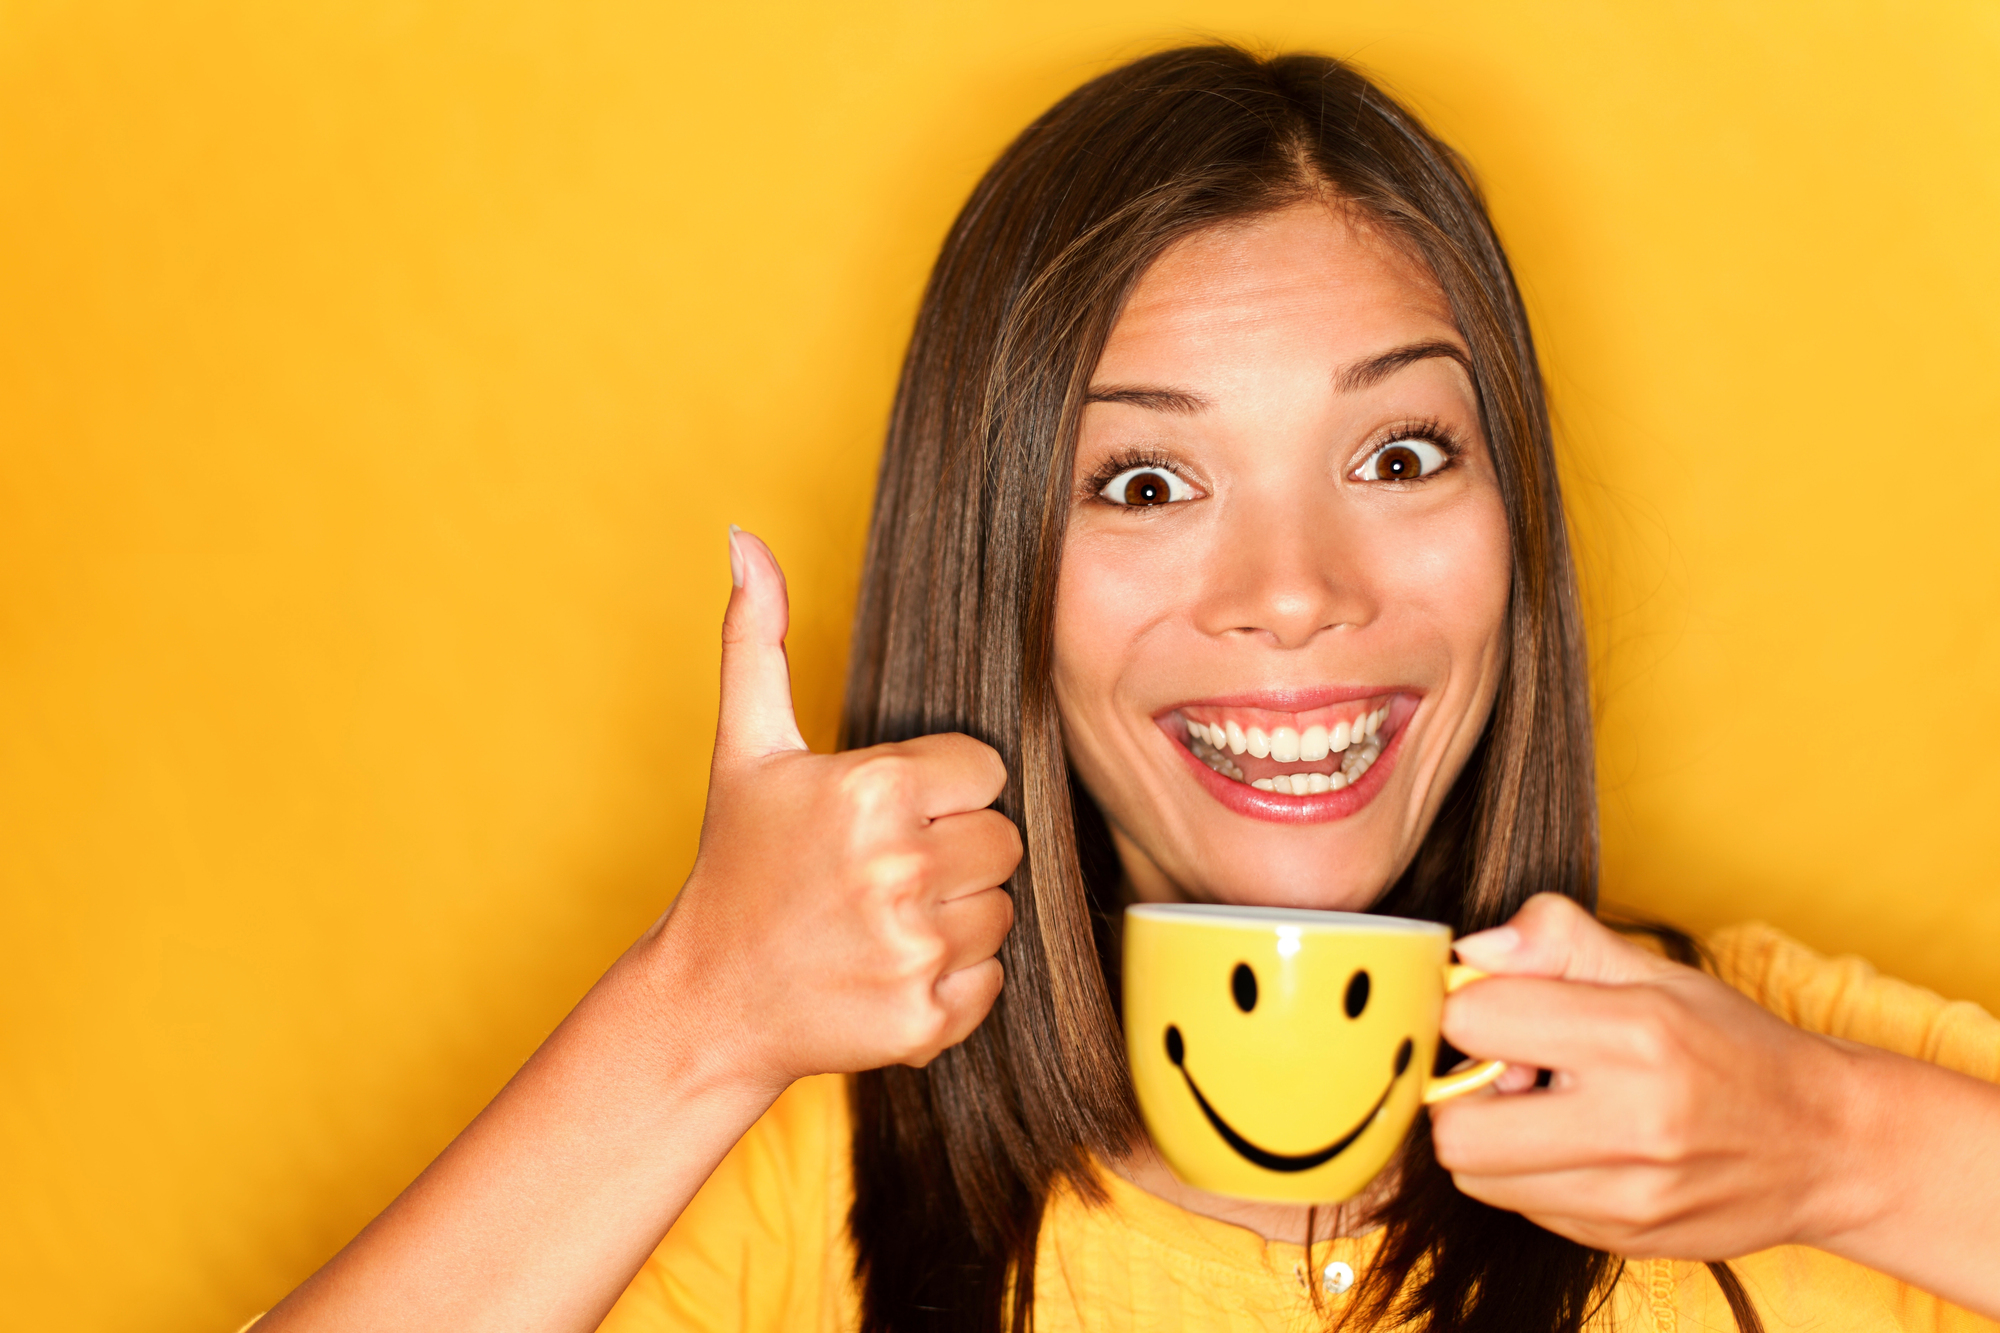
[1219,506]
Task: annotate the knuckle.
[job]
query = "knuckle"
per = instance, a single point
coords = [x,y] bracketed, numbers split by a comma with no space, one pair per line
[1663,1132]
[921,1033]
[1547,912]
[1675,1133]
[926,960]
[892,873]
[1651,1134]
[879,783]
[909,966]
[1639,1205]
[1646,1042]
[884,884]
[735,621]
[1656,1029]
[905,1023]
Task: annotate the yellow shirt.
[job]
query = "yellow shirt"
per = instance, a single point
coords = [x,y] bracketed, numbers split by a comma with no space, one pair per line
[763,1246]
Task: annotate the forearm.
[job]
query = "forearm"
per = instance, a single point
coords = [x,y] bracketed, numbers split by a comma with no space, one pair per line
[538,1214]
[1914,1195]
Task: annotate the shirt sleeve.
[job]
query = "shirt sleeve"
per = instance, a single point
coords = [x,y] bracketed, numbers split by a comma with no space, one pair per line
[1842,997]
[1845,997]
[760,1245]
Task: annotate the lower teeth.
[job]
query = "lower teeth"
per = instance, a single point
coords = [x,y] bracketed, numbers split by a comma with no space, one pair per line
[1354,761]
[1218,760]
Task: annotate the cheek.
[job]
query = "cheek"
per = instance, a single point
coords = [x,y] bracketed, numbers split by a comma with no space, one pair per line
[1088,597]
[1110,596]
[1457,569]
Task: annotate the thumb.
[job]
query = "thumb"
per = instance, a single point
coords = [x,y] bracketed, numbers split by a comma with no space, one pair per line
[756,717]
[1553,936]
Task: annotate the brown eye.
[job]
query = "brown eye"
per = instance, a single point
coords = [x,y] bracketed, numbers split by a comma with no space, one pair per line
[1144,487]
[1397,462]
[1403,460]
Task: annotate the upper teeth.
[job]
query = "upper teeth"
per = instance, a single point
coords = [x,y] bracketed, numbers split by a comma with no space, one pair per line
[1356,740]
[1287,745]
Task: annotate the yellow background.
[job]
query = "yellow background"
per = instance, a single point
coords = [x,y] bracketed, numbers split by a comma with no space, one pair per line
[376,380]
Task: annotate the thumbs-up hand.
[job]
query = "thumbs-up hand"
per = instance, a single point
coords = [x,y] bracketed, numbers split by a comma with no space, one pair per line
[844,910]
[1680,1118]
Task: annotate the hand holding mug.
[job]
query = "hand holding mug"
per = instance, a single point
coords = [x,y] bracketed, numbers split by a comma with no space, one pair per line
[844,910]
[1680,1118]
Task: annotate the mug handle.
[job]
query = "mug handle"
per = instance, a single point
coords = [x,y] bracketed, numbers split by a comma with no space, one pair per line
[1457,975]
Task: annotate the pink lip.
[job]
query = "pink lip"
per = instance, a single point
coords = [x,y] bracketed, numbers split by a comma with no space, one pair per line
[1324,808]
[1287,701]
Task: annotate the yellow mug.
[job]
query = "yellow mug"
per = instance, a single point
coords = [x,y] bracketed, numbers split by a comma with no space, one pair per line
[1281,1054]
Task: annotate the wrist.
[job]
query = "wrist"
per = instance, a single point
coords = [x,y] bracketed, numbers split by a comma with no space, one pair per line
[1856,1180]
[695,1005]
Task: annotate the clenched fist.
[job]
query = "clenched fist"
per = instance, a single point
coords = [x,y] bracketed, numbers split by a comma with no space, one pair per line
[844,910]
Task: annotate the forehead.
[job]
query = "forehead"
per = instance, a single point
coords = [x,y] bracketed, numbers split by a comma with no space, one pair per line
[1310,283]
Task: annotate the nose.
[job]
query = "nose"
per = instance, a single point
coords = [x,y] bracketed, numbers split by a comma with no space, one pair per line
[1285,570]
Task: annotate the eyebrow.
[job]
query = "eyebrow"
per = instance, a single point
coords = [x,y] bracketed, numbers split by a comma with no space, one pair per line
[1180,402]
[1375,369]
[1362,375]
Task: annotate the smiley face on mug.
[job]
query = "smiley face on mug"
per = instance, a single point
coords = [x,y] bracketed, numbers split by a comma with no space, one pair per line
[1280,1054]
[1243,987]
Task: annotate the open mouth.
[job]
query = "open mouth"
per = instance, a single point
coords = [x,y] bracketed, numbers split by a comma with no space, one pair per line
[1292,754]
[1264,1157]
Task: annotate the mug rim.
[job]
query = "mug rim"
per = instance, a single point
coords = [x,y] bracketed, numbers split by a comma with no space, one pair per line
[1249,916]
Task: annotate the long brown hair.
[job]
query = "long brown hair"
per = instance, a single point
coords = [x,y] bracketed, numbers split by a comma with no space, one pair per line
[953,1163]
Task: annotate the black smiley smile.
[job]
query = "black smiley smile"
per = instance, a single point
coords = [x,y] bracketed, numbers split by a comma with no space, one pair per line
[1264,1157]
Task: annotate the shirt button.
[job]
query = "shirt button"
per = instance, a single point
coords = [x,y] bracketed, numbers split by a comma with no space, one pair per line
[1338,1278]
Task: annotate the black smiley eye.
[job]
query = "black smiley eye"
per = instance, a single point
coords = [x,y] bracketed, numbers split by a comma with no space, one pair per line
[1357,994]
[1243,985]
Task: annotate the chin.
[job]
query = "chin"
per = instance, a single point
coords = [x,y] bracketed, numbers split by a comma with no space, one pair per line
[1289,880]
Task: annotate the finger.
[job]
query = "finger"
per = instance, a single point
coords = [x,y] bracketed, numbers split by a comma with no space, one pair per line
[1552,936]
[970,852]
[948,774]
[1542,1197]
[974,927]
[1630,1211]
[1553,1024]
[1508,1136]
[1551,1193]
[966,996]
[756,717]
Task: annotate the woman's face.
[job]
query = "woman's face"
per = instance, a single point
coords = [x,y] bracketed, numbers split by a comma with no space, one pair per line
[1280,617]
